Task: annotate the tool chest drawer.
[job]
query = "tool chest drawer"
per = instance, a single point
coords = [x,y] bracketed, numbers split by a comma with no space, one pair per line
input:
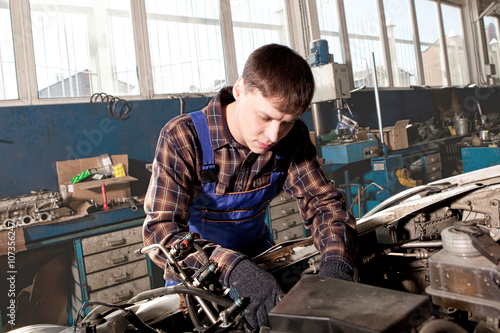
[433,167]
[296,232]
[287,222]
[432,158]
[117,275]
[285,209]
[103,260]
[122,292]
[281,199]
[106,269]
[285,219]
[111,240]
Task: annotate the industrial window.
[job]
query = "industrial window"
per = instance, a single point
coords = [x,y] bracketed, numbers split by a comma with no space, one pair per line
[329,27]
[363,28]
[8,81]
[401,43]
[256,23]
[455,45]
[430,42]
[83,47]
[492,41]
[186,46]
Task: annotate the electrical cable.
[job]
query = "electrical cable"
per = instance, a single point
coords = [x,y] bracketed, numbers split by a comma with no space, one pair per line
[120,112]
[192,312]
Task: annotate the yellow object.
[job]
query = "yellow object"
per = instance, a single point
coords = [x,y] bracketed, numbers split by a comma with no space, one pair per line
[118,170]
[452,130]
[404,178]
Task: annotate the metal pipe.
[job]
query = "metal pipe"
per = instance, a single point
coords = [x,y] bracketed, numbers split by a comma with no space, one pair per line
[358,195]
[377,104]
[133,206]
[422,244]
[316,117]
[182,274]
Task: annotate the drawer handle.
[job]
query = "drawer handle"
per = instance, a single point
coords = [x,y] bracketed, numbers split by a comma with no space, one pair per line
[124,296]
[122,278]
[274,232]
[289,224]
[287,211]
[290,237]
[119,260]
[117,242]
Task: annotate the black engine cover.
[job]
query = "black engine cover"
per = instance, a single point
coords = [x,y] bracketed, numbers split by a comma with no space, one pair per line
[320,304]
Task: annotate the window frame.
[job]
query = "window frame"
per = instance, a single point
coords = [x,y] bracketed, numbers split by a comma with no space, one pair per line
[303,27]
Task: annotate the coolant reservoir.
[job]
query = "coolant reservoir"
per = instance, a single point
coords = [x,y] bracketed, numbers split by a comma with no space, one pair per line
[460,277]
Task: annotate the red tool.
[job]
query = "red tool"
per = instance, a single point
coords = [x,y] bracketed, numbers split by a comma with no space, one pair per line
[104,199]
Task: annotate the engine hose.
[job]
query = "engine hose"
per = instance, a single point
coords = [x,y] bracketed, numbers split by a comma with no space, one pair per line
[441,326]
[192,312]
[180,289]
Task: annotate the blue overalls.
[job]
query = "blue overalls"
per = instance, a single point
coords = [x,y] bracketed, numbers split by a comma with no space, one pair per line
[233,220]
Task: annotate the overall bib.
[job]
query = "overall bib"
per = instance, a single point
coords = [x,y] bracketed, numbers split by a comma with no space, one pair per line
[233,220]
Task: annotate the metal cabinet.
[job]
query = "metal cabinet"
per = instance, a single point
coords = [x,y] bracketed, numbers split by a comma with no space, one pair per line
[427,168]
[285,220]
[105,268]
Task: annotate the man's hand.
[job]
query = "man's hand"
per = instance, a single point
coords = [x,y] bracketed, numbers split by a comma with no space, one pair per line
[260,287]
[336,269]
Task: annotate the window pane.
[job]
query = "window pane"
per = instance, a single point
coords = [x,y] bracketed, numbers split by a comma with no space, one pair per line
[364,39]
[329,27]
[186,46]
[8,80]
[430,46]
[455,44]
[83,47]
[491,29]
[401,43]
[256,23]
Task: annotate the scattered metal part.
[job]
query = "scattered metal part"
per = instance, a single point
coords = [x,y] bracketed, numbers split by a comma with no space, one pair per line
[27,209]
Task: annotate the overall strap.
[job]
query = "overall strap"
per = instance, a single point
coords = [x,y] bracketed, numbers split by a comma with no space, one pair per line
[209,170]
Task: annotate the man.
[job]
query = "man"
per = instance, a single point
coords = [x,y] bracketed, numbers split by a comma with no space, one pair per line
[216,171]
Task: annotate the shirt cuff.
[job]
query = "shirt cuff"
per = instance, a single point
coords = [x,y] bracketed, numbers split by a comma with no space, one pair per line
[226,259]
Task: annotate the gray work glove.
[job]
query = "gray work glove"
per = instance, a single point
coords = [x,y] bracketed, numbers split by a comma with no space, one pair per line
[260,287]
[336,269]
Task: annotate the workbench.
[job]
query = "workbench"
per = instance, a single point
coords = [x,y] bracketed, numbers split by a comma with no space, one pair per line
[100,247]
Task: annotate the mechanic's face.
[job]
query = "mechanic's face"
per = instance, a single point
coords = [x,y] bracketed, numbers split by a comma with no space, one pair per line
[255,123]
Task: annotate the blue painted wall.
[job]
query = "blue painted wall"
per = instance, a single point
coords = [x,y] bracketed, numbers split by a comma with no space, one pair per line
[33,138]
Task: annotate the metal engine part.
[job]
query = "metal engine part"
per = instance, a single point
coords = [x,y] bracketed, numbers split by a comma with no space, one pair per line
[29,208]
[428,224]
[461,278]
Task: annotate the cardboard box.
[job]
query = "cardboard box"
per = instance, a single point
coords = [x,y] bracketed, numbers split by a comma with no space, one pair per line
[395,137]
[91,189]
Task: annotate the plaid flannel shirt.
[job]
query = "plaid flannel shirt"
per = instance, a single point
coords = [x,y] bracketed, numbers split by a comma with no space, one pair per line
[176,180]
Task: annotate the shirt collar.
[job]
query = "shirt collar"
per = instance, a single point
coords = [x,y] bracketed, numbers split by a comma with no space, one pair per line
[217,123]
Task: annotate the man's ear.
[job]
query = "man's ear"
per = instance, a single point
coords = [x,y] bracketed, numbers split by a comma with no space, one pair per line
[239,88]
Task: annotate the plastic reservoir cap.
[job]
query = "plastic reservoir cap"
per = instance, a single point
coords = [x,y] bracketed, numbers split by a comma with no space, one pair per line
[458,243]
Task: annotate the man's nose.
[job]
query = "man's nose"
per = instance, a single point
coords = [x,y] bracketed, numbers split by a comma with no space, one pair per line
[273,131]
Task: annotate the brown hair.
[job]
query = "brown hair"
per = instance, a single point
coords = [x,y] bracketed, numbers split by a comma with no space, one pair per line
[282,76]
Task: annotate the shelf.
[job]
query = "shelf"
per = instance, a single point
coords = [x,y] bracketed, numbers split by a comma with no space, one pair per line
[85,185]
